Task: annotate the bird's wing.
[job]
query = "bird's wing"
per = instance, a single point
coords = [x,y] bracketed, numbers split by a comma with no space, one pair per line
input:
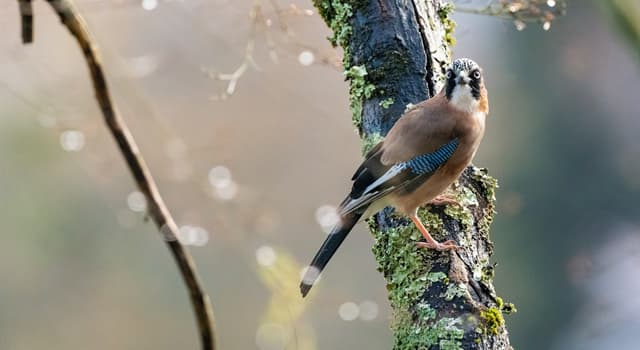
[420,142]
[415,147]
[422,130]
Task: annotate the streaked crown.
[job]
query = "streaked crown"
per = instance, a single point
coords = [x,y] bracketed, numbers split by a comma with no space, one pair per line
[464,64]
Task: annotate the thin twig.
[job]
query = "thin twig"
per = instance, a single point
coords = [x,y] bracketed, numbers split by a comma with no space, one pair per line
[247,62]
[292,37]
[157,210]
[261,23]
[521,11]
[26,16]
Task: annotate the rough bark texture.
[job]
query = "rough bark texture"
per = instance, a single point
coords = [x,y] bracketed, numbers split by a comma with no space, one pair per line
[396,52]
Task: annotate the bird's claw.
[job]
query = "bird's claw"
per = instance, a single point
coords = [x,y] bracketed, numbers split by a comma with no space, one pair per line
[441,247]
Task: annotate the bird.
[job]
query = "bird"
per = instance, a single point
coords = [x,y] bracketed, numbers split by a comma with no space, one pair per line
[425,151]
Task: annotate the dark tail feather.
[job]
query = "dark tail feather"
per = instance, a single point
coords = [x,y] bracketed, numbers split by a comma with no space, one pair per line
[326,251]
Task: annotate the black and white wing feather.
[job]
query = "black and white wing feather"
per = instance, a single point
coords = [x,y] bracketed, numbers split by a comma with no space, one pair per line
[373,180]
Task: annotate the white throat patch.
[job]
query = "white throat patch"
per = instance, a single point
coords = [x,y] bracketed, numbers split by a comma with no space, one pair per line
[463,99]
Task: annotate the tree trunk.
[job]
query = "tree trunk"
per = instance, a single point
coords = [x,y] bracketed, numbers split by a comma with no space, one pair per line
[396,52]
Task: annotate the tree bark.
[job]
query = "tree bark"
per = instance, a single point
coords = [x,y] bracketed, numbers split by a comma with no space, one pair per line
[396,52]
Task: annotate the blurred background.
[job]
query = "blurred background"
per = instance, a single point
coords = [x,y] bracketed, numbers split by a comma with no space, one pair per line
[242,114]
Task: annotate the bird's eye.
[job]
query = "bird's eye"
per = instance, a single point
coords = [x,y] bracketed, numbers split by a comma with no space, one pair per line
[476,74]
[449,74]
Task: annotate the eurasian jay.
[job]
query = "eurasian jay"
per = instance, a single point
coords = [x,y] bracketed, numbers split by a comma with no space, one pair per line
[424,152]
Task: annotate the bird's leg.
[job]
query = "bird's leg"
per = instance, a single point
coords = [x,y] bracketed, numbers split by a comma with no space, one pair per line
[443,200]
[430,242]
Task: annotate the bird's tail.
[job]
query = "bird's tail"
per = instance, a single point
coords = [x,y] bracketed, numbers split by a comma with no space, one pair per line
[326,251]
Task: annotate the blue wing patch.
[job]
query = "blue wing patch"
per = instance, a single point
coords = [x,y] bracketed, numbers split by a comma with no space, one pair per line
[400,175]
[429,162]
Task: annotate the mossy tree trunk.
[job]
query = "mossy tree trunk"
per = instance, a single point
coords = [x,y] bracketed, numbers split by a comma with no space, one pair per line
[396,52]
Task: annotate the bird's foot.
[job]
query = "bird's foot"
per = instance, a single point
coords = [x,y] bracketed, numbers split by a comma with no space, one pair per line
[441,247]
[443,200]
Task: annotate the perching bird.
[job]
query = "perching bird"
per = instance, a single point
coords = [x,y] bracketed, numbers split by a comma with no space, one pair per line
[425,152]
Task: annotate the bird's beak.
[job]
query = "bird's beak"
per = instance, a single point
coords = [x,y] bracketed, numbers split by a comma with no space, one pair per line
[462,80]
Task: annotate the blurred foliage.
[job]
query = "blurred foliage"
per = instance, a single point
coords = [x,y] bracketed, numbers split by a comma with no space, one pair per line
[625,16]
[281,274]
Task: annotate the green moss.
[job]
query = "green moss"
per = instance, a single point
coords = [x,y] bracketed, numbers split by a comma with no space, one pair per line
[489,186]
[466,197]
[433,222]
[403,264]
[394,67]
[488,272]
[448,344]
[455,290]
[437,277]
[493,320]
[449,25]
[369,141]
[489,183]
[340,24]
[509,308]
[337,15]
[324,9]
[445,333]
[408,276]
[359,89]
[386,103]
[460,213]
[425,312]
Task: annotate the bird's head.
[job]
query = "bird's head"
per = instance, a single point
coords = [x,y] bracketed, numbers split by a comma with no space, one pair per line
[465,86]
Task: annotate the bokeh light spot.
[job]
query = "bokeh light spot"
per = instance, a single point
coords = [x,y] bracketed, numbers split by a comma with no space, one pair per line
[136,201]
[306,58]
[228,192]
[368,310]
[193,235]
[142,66]
[220,176]
[327,217]
[349,311]
[149,4]
[72,140]
[265,255]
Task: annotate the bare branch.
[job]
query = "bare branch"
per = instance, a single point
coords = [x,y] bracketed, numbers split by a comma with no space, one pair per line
[521,11]
[247,62]
[157,210]
[261,23]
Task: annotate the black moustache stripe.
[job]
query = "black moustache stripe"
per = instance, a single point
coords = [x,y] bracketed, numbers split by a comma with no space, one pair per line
[474,84]
[451,84]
